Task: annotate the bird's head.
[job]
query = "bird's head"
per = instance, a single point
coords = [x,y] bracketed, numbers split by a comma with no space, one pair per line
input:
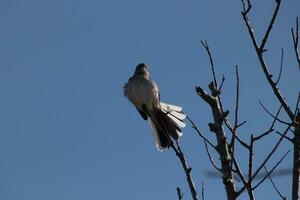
[142,70]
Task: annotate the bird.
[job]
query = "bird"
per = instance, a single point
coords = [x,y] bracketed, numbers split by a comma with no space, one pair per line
[166,120]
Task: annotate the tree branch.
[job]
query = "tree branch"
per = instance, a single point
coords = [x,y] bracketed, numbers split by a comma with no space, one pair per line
[222,145]
[264,162]
[202,191]
[269,113]
[278,192]
[281,65]
[295,35]
[270,172]
[186,168]
[210,158]
[205,45]
[179,193]
[200,134]
[260,51]
[265,38]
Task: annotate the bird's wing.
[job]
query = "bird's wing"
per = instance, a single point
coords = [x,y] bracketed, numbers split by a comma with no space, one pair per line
[143,114]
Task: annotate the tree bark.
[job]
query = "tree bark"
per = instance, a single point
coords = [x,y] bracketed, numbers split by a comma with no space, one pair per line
[296,165]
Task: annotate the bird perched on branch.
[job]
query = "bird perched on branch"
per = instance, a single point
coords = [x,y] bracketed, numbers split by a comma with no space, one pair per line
[166,120]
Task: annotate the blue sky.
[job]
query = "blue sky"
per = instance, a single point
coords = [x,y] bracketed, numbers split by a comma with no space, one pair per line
[66,130]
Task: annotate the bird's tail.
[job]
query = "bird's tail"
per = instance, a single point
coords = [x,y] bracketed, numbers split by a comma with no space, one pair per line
[166,123]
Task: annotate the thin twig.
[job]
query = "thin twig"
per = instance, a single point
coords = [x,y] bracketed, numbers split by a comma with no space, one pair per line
[281,65]
[186,168]
[264,162]
[247,8]
[248,186]
[215,91]
[263,134]
[228,125]
[202,191]
[232,142]
[277,190]
[259,51]
[222,82]
[295,35]
[238,171]
[205,45]
[237,97]
[241,124]
[265,38]
[248,24]
[285,137]
[269,113]
[297,105]
[271,127]
[210,157]
[270,172]
[179,193]
[199,133]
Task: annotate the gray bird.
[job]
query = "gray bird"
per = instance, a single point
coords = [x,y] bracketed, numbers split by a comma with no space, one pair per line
[166,120]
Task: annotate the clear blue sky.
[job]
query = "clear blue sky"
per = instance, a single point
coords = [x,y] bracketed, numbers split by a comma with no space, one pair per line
[66,130]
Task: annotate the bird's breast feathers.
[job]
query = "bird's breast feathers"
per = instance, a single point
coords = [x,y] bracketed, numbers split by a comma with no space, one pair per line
[142,92]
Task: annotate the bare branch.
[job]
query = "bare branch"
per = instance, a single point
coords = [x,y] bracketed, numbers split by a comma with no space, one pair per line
[222,82]
[179,193]
[241,124]
[228,125]
[260,51]
[295,34]
[265,38]
[206,97]
[271,127]
[237,98]
[199,133]
[241,176]
[278,192]
[263,134]
[210,157]
[269,113]
[297,105]
[222,144]
[285,137]
[205,45]
[281,65]
[264,162]
[250,166]
[236,108]
[214,85]
[245,12]
[246,8]
[232,142]
[202,191]
[270,172]
[186,168]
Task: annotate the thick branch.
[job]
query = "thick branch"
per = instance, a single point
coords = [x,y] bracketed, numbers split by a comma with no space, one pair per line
[222,145]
